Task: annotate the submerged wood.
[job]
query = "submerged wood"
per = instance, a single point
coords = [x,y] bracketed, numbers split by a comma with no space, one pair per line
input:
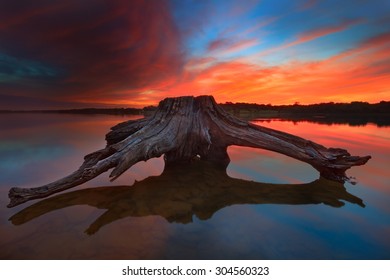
[182,192]
[185,128]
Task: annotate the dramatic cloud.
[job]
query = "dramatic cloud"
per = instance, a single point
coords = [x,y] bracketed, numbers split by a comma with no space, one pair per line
[361,73]
[134,53]
[86,50]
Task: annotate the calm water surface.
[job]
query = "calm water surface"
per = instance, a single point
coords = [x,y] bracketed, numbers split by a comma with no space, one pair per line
[268,207]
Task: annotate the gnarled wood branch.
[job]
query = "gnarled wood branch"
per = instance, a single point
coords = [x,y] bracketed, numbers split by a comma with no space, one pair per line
[184,128]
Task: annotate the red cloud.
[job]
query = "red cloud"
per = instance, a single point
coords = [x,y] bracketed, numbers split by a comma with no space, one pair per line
[378,40]
[97,48]
[130,52]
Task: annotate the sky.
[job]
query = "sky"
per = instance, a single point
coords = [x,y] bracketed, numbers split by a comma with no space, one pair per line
[99,53]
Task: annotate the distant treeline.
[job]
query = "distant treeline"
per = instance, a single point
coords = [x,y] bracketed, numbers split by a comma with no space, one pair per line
[354,113]
[92,111]
[322,108]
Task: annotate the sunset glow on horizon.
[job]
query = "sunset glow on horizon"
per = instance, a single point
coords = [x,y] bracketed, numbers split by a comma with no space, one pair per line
[69,54]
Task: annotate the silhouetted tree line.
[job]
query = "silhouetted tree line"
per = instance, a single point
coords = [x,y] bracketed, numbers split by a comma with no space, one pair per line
[91,111]
[357,107]
[354,113]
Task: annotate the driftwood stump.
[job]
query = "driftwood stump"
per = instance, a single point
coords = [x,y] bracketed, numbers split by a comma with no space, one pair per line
[188,128]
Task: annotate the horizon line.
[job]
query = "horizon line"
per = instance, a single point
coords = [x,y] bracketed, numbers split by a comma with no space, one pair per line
[225,103]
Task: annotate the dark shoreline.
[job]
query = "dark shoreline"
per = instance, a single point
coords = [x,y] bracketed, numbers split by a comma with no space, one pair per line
[355,113]
[86,111]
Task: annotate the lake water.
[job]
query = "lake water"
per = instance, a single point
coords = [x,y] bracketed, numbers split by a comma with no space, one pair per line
[268,206]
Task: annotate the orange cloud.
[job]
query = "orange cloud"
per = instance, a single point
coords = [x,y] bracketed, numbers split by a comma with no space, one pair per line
[359,74]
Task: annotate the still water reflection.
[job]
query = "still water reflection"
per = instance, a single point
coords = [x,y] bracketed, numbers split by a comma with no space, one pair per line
[268,206]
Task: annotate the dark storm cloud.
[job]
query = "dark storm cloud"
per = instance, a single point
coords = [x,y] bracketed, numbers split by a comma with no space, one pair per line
[84,50]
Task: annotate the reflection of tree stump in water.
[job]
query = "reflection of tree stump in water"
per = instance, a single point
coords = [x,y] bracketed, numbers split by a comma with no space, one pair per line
[183,191]
[185,128]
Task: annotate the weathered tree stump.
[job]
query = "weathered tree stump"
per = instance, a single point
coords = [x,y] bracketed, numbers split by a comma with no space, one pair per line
[186,128]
